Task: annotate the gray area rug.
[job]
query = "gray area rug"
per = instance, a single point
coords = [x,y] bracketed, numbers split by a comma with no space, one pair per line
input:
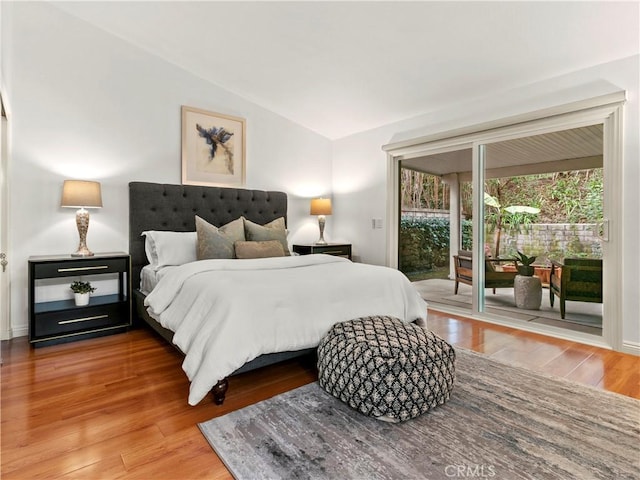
[502,422]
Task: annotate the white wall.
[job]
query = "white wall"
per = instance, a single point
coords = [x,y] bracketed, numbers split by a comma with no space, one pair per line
[87,105]
[359,164]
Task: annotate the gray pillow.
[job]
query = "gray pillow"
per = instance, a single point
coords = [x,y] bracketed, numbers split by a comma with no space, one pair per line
[266,249]
[214,242]
[274,230]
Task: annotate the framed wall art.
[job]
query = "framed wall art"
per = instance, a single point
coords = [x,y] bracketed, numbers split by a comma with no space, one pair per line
[213,148]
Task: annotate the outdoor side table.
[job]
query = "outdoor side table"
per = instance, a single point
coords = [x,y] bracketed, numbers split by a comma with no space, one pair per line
[527,292]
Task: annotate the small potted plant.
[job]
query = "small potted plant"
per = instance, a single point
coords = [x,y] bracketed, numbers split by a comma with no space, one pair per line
[81,291]
[525,268]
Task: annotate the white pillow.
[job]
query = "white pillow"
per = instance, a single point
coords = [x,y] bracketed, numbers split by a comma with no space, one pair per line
[170,248]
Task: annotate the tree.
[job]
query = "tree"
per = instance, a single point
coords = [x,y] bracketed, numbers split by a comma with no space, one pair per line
[514,217]
[422,190]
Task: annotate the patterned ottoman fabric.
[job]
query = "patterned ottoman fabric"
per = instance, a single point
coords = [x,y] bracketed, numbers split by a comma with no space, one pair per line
[386,368]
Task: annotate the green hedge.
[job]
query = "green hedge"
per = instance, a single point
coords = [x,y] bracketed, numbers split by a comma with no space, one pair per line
[424,243]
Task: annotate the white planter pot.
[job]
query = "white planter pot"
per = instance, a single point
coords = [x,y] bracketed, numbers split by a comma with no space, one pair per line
[82,299]
[527,292]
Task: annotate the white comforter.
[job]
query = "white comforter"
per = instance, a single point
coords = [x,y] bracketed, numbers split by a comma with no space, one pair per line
[227,312]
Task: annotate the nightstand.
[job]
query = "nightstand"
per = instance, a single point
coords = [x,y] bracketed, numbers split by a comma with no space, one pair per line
[337,249]
[60,321]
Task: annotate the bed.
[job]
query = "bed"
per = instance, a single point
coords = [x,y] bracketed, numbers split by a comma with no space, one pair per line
[193,304]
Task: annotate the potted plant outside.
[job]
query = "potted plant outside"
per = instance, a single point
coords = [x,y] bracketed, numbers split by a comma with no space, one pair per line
[525,267]
[82,291]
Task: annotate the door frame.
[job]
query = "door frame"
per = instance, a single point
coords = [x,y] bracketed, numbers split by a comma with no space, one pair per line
[606,110]
[5,311]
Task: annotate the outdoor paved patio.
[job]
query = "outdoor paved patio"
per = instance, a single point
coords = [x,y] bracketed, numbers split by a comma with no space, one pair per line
[580,316]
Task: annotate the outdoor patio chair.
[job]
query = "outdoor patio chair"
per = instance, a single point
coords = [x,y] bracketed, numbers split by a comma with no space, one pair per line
[493,276]
[577,279]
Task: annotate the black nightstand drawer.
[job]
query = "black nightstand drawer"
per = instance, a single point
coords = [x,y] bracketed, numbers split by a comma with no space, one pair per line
[81,320]
[74,268]
[337,249]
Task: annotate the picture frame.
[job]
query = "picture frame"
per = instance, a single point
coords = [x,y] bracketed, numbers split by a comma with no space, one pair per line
[213,148]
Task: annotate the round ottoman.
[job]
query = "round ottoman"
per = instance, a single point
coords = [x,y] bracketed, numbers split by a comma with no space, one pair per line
[385,368]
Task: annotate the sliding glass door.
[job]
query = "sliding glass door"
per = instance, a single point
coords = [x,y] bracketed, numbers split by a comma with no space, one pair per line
[543,194]
[542,215]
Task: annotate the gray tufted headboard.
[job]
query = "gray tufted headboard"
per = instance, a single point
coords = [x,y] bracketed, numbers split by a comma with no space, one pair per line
[154,206]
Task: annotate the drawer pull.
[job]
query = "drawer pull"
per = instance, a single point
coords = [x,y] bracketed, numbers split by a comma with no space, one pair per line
[84,319]
[79,269]
[333,252]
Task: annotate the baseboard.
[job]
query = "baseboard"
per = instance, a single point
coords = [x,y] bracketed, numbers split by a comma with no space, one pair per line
[6,334]
[632,348]
[19,332]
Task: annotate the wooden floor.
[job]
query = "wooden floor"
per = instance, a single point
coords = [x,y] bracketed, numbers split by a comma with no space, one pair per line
[115,407]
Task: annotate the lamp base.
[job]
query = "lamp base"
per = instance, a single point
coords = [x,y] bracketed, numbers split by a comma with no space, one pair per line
[83,253]
[82,222]
[321,221]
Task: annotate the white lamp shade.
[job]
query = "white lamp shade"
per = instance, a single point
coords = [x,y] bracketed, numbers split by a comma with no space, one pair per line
[320,206]
[81,194]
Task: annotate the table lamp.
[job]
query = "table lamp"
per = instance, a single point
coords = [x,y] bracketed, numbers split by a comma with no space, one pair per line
[321,207]
[81,194]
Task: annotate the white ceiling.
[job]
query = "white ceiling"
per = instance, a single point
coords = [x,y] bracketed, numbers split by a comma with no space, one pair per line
[343,67]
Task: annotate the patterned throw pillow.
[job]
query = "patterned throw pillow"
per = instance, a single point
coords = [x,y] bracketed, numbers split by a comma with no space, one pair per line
[266,249]
[274,230]
[218,242]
